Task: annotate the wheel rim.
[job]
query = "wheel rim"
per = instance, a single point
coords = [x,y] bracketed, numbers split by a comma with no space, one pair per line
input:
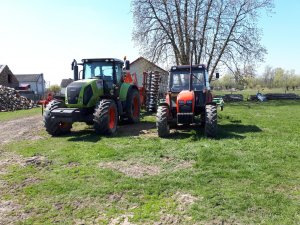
[112,120]
[135,106]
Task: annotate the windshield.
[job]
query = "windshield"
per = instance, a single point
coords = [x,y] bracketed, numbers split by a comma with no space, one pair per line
[102,70]
[180,80]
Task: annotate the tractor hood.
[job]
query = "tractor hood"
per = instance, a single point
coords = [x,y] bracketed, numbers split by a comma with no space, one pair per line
[83,93]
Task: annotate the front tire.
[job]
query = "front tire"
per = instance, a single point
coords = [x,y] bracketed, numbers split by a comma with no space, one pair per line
[211,121]
[54,127]
[162,125]
[106,117]
[133,106]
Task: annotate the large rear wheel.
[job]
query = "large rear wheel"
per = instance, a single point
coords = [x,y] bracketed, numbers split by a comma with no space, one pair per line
[53,126]
[106,117]
[211,121]
[133,107]
[162,125]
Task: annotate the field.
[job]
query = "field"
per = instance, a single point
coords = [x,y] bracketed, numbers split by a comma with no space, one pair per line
[250,174]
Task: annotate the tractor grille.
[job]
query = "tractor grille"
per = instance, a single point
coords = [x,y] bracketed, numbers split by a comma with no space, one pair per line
[185,118]
[73,92]
[185,108]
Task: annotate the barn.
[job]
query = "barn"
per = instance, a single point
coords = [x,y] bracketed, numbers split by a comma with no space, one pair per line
[141,65]
[7,78]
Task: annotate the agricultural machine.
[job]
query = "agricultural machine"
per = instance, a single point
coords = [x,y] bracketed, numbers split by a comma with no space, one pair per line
[188,98]
[103,96]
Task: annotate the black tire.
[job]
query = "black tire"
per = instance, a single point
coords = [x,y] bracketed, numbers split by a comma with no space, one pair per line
[133,106]
[106,117]
[211,121]
[162,125]
[54,127]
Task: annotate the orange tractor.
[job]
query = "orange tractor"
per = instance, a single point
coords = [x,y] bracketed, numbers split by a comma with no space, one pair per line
[188,98]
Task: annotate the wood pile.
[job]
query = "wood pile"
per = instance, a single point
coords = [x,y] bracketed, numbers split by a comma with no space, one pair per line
[278,96]
[233,98]
[11,100]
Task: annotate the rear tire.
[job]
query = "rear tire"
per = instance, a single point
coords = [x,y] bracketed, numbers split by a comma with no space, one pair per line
[162,125]
[54,127]
[211,121]
[133,107]
[106,117]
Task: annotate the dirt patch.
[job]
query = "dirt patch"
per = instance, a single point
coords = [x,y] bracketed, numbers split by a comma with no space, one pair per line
[132,169]
[184,200]
[178,164]
[37,161]
[21,129]
[7,159]
[169,219]
[72,164]
[222,222]
[121,220]
[11,212]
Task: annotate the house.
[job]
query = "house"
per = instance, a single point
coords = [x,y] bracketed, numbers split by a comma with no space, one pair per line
[36,82]
[141,65]
[7,78]
[64,83]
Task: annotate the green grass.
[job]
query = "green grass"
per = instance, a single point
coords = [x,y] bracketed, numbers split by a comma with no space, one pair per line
[5,116]
[250,174]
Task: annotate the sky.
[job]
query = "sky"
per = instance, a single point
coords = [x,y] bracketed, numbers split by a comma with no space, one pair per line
[44,36]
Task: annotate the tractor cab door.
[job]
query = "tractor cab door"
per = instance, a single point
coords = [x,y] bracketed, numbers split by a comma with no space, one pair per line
[117,79]
[106,72]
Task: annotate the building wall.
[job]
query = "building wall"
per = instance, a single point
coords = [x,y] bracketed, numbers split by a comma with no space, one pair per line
[41,85]
[8,79]
[141,66]
[38,87]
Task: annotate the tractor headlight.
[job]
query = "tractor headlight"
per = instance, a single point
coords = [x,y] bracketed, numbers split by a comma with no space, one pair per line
[181,102]
[189,102]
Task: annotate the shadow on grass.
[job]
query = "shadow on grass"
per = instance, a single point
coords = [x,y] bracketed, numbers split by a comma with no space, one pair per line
[235,130]
[125,129]
[196,132]
[228,131]
[143,127]
[87,135]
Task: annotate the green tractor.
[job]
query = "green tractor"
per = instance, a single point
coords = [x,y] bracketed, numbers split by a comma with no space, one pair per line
[102,97]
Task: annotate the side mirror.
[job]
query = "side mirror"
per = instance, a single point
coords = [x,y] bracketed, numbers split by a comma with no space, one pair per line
[127,65]
[75,69]
[217,75]
[73,64]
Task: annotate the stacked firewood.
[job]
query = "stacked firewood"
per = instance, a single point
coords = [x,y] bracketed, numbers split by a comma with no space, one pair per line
[11,100]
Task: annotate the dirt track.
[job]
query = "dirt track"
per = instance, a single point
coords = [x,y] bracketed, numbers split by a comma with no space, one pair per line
[21,129]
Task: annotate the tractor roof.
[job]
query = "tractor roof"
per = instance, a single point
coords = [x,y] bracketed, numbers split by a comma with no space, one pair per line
[187,67]
[103,60]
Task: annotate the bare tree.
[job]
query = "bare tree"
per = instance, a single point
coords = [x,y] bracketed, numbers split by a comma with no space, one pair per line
[214,32]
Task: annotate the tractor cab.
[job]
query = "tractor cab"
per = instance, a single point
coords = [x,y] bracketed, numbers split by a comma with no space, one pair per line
[108,70]
[180,77]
